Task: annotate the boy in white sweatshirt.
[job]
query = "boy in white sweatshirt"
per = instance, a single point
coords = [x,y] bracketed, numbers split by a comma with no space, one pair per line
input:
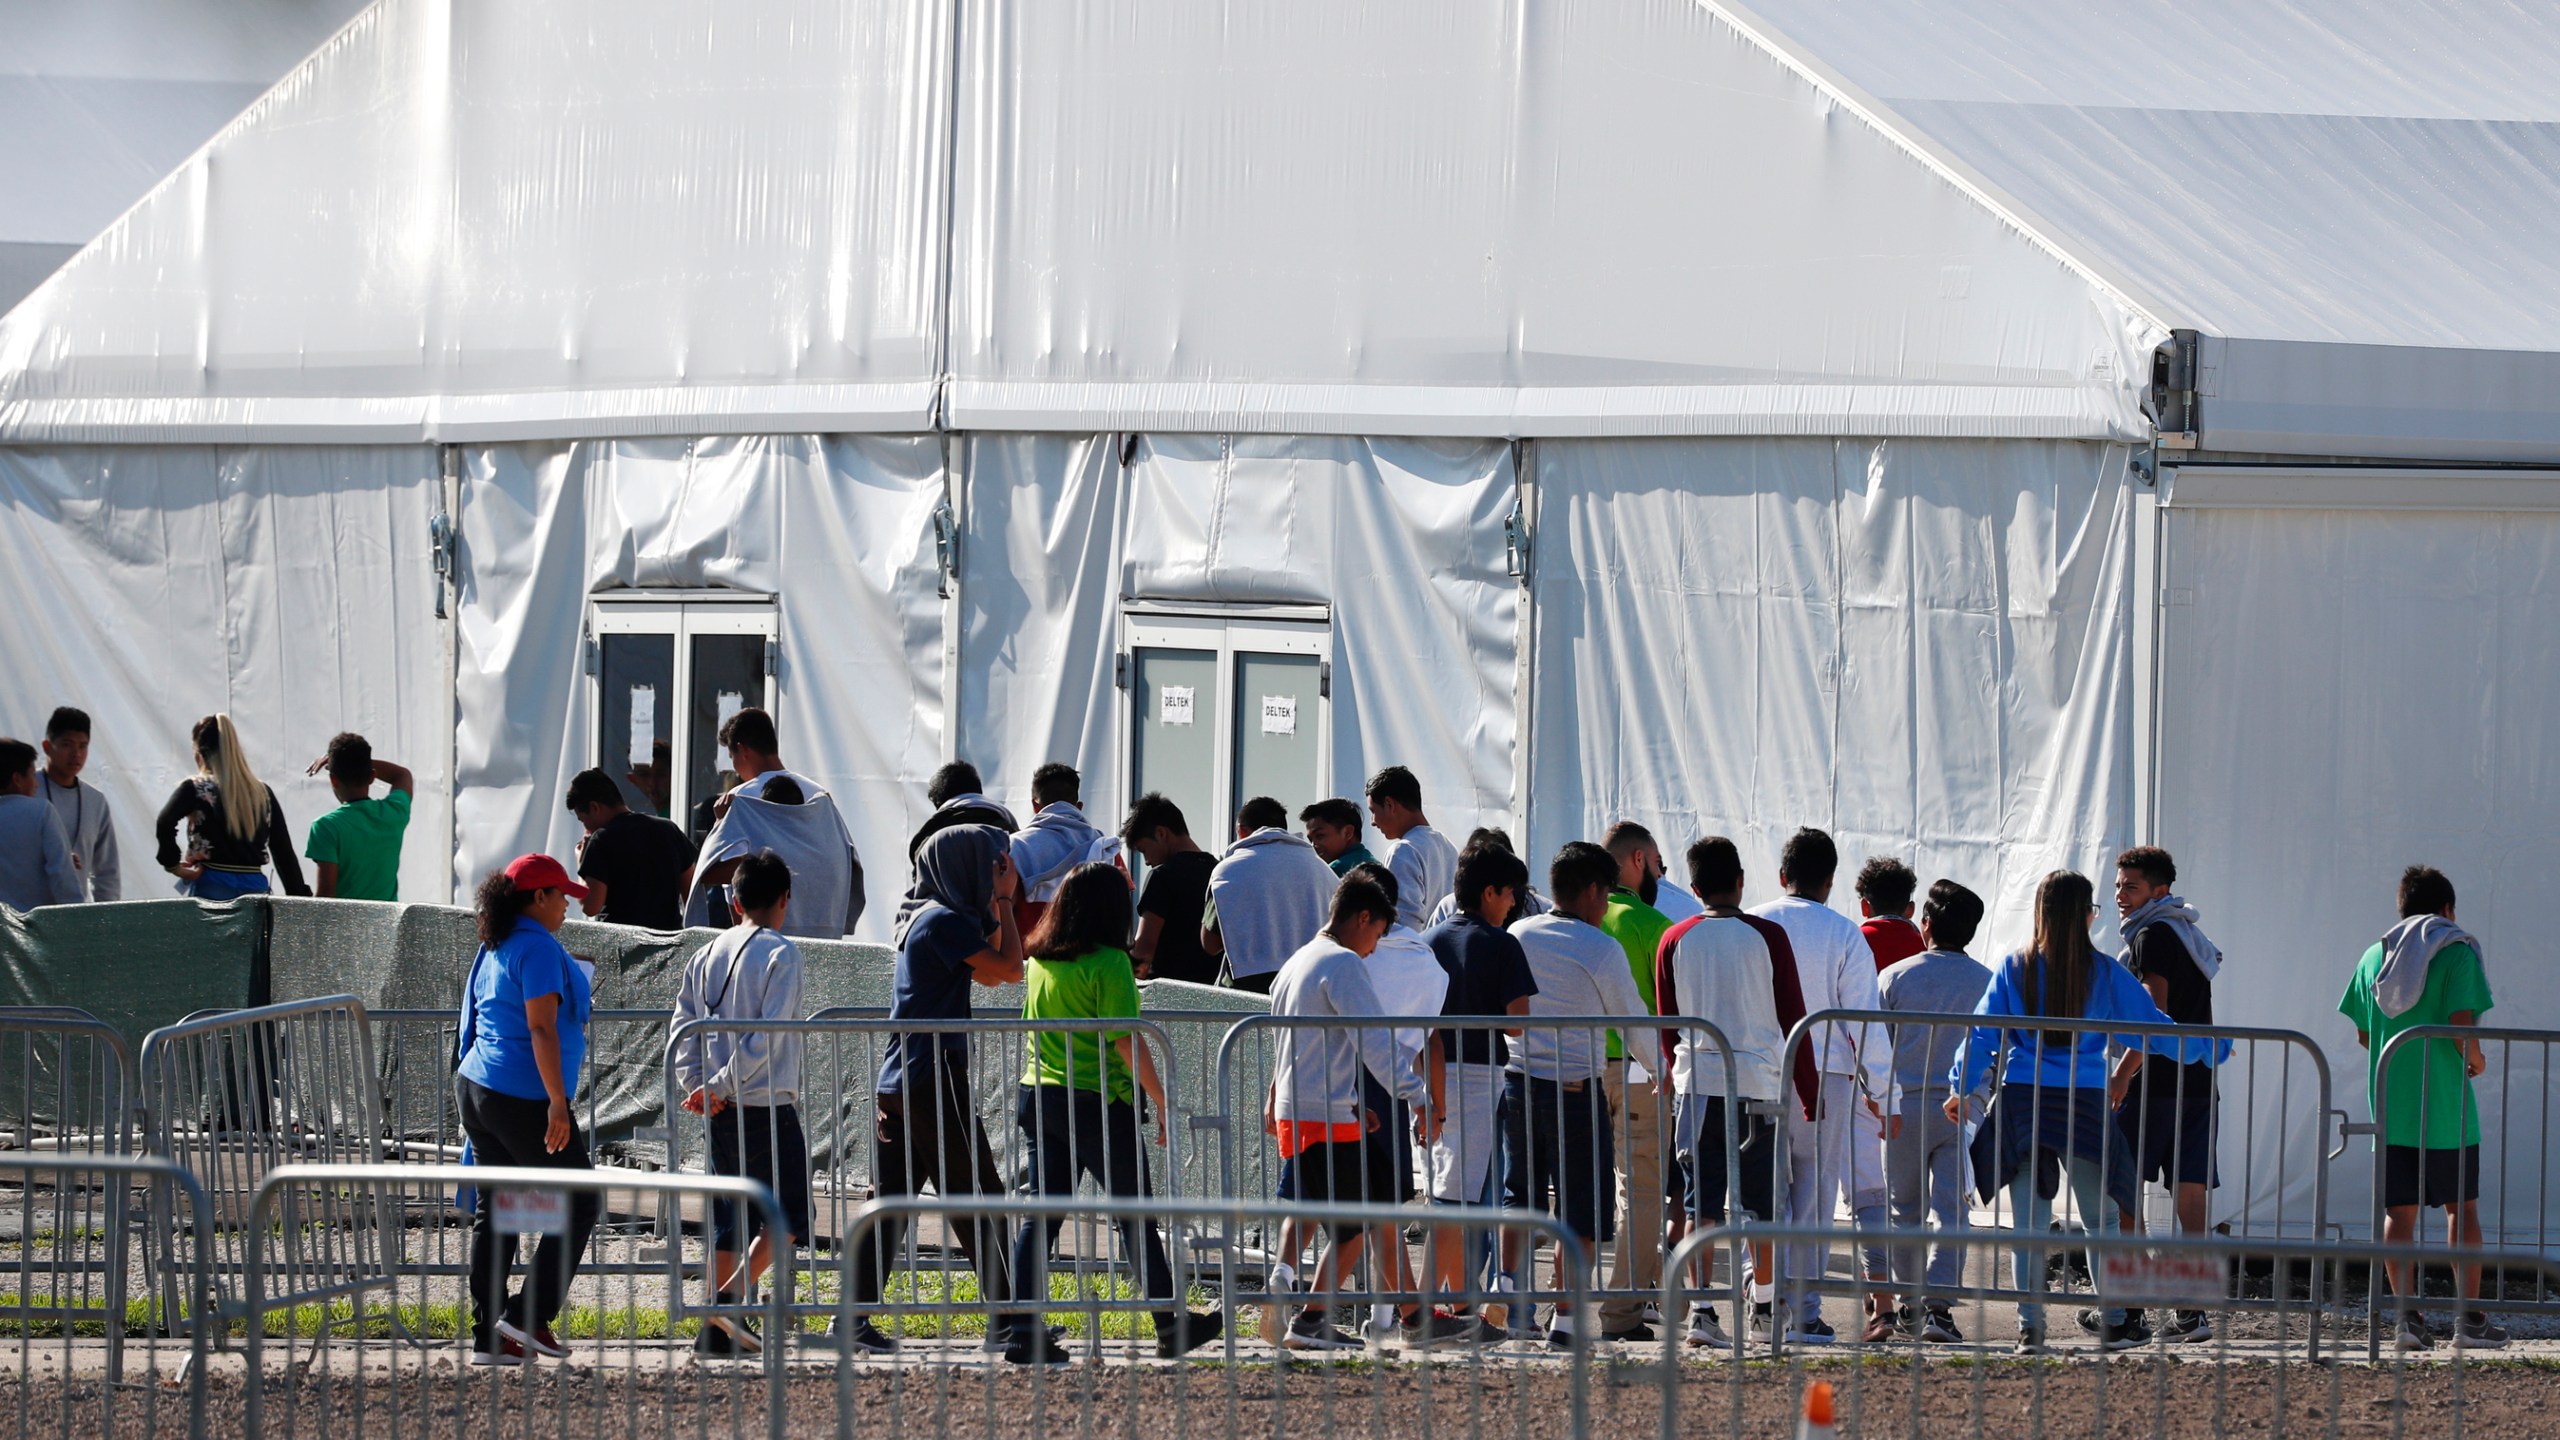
[746,1084]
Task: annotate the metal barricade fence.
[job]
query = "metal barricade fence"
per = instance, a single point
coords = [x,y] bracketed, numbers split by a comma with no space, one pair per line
[1961,1360]
[1092,1347]
[233,1095]
[66,1082]
[1196,1036]
[1611,1155]
[1899,1157]
[72,1286]
[2430,1112]
[338,1341]
[1011,1134]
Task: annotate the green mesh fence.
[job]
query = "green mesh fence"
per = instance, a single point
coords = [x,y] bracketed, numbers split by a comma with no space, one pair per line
[142,965]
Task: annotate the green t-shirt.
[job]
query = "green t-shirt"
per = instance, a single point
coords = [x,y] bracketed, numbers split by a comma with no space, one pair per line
[2438,1080]
[363,840]
[1101,986]
[1639,928]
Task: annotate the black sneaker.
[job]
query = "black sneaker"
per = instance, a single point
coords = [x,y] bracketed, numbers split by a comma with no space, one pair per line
[1637,1334]
[1037,1348]
[2478,1332]
[1938,1327]
[2094,1322]
[1816,1331]
[2031,1340]
[714,1341]
[2413,1333]
[2190,1325]
[1434,1328]
[1310,1332]
[2130,1335]
[866,1339]
[1189,1331]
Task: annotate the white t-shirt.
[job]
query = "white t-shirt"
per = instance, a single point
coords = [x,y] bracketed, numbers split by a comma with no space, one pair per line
[1425,865]
[1580,970]
[1719,972]
[1838,972]
[1409,981]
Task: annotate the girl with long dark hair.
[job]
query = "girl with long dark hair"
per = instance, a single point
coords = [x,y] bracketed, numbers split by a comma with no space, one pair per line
[234,823]
[2050,1119]
[1078,1107]
[524,1034]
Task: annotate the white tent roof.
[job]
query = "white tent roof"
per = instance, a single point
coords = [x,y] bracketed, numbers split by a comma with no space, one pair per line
[2339,193]
[475,219]
[466,219]
[101,98]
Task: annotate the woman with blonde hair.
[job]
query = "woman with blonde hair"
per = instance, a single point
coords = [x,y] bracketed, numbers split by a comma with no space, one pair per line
[233,824]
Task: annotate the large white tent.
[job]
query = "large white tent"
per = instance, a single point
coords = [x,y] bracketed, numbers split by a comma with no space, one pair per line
[1994,433]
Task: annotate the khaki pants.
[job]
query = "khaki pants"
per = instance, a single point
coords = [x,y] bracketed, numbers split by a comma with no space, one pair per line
[1635,1263]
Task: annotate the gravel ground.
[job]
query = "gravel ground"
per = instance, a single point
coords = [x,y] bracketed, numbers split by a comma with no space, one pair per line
[1877,1398]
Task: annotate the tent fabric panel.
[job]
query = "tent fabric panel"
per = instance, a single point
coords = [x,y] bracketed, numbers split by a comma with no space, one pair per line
[1039,610]
[1178,218]
[1921,646]
[838,530]
[2378,401]
[574,202]
[2349,692]
[2390,183]
[1403,539]
[292,589]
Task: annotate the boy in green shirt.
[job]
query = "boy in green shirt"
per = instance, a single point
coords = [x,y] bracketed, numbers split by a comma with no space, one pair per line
[356,847]
[2426,971]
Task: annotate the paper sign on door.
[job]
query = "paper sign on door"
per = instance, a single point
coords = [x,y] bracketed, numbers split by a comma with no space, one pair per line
[529,1212]
[644,723]
[731,702]
[1173,705]
[1279,714]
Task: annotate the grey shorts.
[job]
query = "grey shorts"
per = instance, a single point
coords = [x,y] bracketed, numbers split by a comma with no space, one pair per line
[1461,1160]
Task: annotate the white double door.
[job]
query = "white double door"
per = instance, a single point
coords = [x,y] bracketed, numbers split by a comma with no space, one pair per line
[1221,710]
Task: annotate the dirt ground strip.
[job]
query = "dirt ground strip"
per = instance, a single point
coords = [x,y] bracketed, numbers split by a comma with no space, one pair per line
[2493,1401]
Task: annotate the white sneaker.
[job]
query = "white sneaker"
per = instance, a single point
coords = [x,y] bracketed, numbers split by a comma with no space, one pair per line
[1653,1315]
[1704,1331]
[1560,1330]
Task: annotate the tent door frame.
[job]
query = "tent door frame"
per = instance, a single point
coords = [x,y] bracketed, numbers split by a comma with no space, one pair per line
[682,616]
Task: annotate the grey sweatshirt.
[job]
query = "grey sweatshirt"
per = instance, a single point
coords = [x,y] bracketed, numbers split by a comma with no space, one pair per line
[1934,982]
[35,856]
[1273,893]
[92,832]
[1315,1073]
[749,973]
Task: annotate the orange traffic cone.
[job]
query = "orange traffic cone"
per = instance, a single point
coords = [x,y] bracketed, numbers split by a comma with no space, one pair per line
[1817,1412]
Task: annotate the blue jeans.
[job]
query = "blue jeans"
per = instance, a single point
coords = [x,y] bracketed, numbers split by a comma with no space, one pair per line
[2034,1214]
[223,885]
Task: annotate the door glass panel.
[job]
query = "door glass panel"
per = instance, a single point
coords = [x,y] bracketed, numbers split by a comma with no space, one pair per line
[637,737]
[1176,692]
[728,676]
[1276,713]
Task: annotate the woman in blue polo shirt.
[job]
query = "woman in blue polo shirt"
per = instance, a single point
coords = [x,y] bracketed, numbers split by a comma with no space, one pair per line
[524,1032]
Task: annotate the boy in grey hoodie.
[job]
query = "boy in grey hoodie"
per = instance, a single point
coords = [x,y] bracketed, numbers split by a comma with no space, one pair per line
[746,1085]
[1269,896]
[1924,1159]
